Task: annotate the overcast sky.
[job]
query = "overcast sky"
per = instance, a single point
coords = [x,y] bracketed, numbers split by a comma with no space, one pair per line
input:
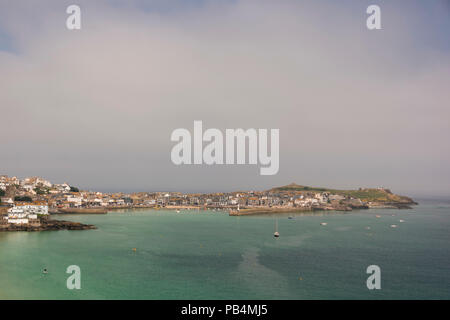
[355,108]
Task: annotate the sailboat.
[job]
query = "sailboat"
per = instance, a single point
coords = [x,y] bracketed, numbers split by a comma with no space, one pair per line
[276,234]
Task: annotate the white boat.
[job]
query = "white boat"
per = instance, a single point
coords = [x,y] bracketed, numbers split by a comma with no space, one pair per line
[276,234]
[393,226]
[178,211]
[401,220]
[323,223]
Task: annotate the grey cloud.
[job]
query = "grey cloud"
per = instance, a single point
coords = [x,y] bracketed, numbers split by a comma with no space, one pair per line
[97,107]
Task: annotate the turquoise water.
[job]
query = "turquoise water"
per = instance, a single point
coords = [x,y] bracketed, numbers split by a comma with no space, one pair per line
[209,255]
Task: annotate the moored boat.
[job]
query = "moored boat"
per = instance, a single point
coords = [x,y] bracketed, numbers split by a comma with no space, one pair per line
[276,234]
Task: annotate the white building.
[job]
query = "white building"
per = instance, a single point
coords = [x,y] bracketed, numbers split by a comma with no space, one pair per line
[62,188]
[76,201]
[336,197]
[7,200]
[35,181]
[321,197]
[149,202]
[24,212]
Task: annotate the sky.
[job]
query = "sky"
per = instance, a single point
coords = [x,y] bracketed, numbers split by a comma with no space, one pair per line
[355,107]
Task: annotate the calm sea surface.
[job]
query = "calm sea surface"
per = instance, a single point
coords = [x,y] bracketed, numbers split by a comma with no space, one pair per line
[209,255]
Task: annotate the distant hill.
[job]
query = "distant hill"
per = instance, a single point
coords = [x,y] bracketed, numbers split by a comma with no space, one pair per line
[297,187]
[366,194]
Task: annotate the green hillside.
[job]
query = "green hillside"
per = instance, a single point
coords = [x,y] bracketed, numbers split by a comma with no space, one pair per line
[368,194]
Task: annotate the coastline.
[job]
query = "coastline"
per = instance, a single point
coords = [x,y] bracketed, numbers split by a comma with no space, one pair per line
[81,211]
[257,211]
[47,225]
[272,210]
[235,211]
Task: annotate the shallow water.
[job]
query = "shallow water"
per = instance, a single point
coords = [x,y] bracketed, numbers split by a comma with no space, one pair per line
[210,255]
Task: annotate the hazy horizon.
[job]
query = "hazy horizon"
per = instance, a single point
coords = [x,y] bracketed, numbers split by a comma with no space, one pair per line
[355,107]
[414,195]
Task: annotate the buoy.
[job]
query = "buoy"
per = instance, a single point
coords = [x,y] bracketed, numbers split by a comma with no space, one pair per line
[134,249]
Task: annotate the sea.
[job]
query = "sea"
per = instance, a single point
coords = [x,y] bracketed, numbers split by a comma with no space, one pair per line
[191,254]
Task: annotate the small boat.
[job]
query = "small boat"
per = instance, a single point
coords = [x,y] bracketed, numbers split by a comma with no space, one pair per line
[323,223]
[378,216]
[134,249]
[276,234]
[178,211]
[45,271]
[368,228]
[290,217]
[401,220]
[393,226]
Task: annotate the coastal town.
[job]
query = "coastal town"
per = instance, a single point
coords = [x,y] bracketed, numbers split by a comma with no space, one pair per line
[30,201]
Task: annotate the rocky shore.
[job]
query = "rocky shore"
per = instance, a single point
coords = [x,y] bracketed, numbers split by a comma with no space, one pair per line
[48,225]
[392,205]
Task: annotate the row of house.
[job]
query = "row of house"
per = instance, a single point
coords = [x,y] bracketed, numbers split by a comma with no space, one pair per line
[32,185]
[163,199]
[25,213]
[64,196]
